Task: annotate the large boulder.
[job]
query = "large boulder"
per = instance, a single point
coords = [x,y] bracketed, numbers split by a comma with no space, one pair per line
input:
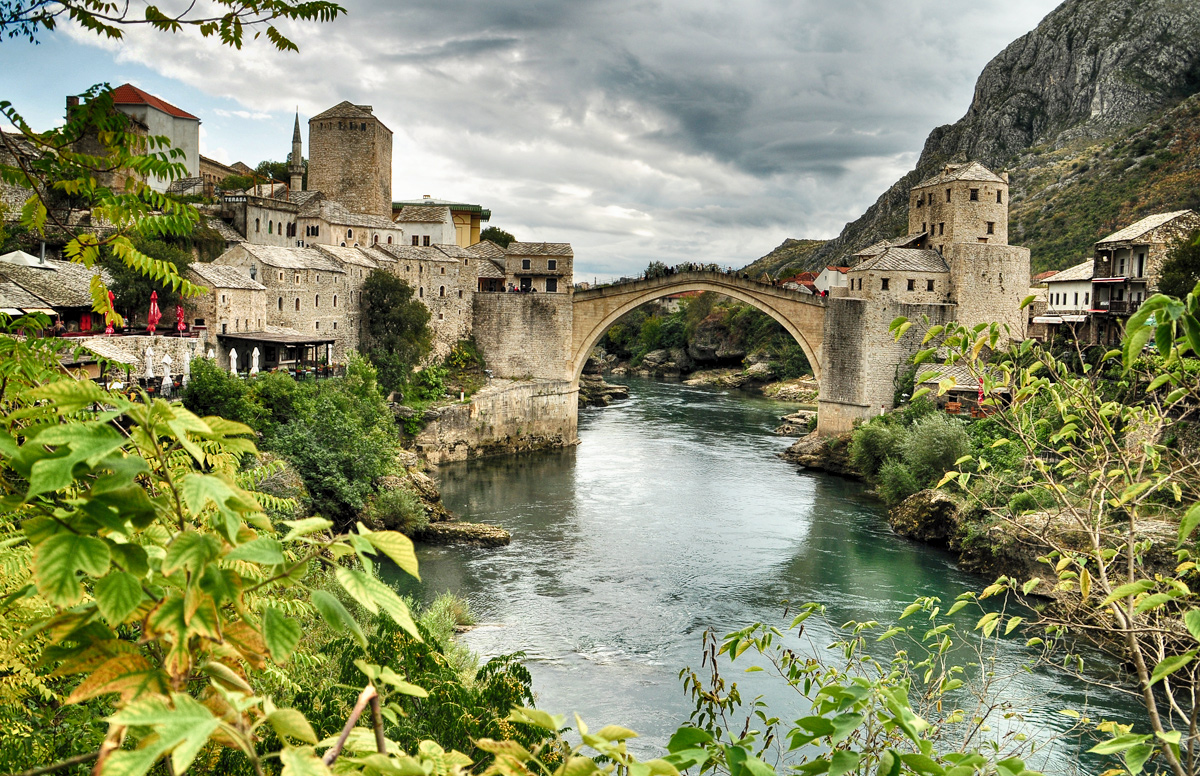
[929,516]
[820,453]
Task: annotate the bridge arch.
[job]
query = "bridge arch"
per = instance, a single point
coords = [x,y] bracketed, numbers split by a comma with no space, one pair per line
[595,310]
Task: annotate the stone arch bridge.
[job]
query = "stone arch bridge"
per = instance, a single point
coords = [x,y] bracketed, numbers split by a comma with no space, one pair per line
[801,314]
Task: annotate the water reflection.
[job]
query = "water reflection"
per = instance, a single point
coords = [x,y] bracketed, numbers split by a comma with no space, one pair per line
[675,515]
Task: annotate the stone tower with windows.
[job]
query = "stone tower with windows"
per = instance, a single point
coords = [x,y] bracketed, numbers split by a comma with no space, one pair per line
[296,160]
[350,158]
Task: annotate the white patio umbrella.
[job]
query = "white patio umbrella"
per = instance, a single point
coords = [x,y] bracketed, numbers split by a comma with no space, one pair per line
[166,381]
[187,368]
[233,361]
[149,363]
[254,362]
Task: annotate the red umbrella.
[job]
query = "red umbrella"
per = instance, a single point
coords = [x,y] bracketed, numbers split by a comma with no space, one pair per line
[179,324]
[108,319]
[155,314]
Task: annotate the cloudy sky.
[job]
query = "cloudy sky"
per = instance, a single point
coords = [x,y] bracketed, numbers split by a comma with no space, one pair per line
[633,129]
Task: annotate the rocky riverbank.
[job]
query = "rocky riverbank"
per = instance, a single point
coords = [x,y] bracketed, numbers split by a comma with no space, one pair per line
[440,526]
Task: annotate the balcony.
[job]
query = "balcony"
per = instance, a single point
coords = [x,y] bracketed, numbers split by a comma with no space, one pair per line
[1119,307]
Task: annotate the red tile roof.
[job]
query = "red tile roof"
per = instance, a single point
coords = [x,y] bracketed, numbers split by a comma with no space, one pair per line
[128,94]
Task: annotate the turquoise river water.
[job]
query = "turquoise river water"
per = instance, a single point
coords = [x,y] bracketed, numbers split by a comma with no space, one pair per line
[674,515]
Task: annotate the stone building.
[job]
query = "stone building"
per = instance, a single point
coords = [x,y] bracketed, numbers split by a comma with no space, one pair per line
[350,158]
[323,221]
[467,219]
[1126,267]
[161,118]
[213,172]
[235,303]
[955,264]
[540,267]
[445,278]
[427,225]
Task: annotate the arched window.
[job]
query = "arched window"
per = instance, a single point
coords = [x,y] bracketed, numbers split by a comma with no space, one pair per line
[270,227]
[297,304]
[375,239]
[257,225]
[389,239]
[335,300]
[349,233]
[441,291]
[281,304]
[421,292]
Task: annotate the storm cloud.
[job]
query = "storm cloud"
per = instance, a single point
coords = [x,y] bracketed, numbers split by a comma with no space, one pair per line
[634,129]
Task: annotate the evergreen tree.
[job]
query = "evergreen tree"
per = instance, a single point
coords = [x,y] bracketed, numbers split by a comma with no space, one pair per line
[1181,270]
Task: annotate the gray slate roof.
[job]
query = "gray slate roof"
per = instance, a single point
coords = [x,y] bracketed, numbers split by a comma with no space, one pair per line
[487,268]
[356,256]
[225,230]
[424,214]
[345,110]
[972,171]
[905,259]
[224,276]
[1081,271]
[60,283]
[1139,228]
[883,245]
[292,258]
[539,249]
[422,252]
[336,213]
[486,249]
[15,297]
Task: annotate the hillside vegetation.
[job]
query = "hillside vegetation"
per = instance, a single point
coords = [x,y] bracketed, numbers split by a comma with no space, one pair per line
[791,257]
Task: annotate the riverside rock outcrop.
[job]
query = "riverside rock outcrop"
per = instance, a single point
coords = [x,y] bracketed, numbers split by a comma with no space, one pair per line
[826,454]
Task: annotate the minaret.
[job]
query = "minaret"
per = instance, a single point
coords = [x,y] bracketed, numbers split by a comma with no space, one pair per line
[296,162]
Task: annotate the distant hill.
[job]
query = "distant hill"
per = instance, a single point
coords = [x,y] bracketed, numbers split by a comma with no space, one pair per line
[790,257]
[1094,113]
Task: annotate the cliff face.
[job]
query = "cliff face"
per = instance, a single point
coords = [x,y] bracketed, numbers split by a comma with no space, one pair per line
[1091,69]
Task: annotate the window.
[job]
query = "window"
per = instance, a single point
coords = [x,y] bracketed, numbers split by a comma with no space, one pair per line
[924,227]
[443,270]
[991,227]
[297,278]
[362,127]
[1141,265]
[947,195]
[349,233]
[317,300]
[999,197]
[224,328]
[389,239]
[1076,298]
[421,292]
[281,304]
[335,300]
[1087,297]
[524,263]
[335,325]
[885,284]
[416,240]
[318,277]
[317,230]
[919,202]
[270,227]
[317,325]
[297,304]
[912,285]
[460,293]
[425,240]
[281,276]
[257,225]
[551,285]
[222,299]
[928,285]
[375,239]
[941,228]
[552,264]
[441,290]
[974,195]
[441,316]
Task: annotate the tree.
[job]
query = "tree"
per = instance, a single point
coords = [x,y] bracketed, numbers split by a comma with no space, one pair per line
[497,235]
[268,170]
[133,289]
[397,326]
[1181,270]
[1116,503]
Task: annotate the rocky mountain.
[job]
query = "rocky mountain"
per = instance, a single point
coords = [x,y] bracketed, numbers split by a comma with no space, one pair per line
[792,256]
[1092,113]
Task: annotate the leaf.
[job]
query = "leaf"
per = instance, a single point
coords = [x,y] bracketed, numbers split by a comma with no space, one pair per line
[536,717]
[308,525]
[1191,619]
[615,733]
[1136,758]
[290,722]
[1128,589]
[843,762]
[117,596]
[182,730]
[264,551]
[687,738]
[398,547]
[1170,665]
[919,763]
[1030,585]
[1118,744]
[75,443]
[375,595]
[128,675]
[302,761]
[280,633]
[338,617]
[189,550]
[1190,520]
[58,558]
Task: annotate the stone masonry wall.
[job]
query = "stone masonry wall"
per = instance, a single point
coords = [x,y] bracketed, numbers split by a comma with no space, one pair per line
[352,165]
[524,335]
[990,281]
[961,219]
[505,417]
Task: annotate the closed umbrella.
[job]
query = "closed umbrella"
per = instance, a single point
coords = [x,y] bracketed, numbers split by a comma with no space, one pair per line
[187,368]
[179,324]
[108,329]
[254,362]
[149,363]
[233,361]
[155,314]
[166,381]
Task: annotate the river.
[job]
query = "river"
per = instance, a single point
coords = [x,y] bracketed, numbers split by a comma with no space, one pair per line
[674,515]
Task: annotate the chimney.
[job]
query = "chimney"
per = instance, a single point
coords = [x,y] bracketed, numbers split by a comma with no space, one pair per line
[72,101]
[1004,176]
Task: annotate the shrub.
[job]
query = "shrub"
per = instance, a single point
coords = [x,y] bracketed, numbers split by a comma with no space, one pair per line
[934,443]
[399,510]
[896,482]
[214,391]
[1030,500]
[873,443]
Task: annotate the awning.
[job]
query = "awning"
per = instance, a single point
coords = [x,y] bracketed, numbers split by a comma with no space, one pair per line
[278,338]
[1048,319]
[45,310]
[1074,318]
[11,311]
[1109,280]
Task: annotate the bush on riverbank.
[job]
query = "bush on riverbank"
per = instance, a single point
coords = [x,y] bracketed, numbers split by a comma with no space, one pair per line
[906,451]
